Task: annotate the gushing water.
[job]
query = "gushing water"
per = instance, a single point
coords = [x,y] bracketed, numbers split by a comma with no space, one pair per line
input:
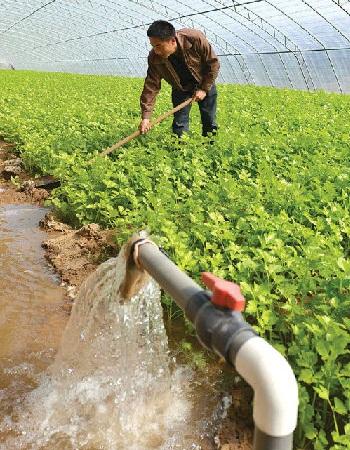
[110,386]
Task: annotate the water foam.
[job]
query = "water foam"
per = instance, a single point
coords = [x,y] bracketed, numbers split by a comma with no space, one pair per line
[111,386]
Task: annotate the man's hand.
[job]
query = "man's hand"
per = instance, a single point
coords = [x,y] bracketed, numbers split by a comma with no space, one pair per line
[199,95]
[145,125]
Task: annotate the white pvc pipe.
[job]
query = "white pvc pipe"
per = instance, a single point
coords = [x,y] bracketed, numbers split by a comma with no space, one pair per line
[275,407]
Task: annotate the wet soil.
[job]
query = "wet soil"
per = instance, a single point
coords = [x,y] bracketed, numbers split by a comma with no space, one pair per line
[236,431]
[20,190]
[74,254]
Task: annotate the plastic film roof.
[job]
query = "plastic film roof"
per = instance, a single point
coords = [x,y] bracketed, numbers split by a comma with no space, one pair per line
[300,44]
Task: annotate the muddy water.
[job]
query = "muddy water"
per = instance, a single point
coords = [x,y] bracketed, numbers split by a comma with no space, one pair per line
[31,317]
[31,326]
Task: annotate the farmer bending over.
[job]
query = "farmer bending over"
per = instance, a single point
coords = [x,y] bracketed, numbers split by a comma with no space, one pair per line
[187,62]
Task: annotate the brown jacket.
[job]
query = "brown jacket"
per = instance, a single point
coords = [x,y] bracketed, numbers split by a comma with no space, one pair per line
[199,57]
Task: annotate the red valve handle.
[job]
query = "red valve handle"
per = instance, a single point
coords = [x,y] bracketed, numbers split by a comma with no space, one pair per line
[225,294]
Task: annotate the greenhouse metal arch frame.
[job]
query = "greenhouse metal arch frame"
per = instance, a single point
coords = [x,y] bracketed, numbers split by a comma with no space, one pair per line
[298,44]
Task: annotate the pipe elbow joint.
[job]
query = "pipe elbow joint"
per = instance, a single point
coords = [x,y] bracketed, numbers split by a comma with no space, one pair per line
[275,406]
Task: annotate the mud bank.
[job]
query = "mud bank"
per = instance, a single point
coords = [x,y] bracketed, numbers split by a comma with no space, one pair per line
[15,184]
[76,253]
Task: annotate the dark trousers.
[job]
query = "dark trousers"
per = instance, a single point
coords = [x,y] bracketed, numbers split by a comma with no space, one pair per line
[207,108]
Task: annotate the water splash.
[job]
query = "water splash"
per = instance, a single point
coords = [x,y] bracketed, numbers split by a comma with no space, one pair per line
[110,386]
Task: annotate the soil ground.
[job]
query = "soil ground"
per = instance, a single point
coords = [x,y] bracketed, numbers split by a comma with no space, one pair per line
[76,253]
[9,193]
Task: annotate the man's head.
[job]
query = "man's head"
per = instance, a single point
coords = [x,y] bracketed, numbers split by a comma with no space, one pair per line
[162,38]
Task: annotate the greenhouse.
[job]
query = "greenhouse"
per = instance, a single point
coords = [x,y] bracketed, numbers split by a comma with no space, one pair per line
[175,225]
[295,44]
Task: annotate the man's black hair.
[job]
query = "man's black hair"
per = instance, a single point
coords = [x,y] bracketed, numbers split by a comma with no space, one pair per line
[161,29]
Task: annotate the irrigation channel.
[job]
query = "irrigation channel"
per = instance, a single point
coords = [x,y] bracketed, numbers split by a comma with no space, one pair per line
[101,378]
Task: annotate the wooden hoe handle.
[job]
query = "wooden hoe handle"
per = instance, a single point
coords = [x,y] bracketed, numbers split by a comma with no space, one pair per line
[109,150]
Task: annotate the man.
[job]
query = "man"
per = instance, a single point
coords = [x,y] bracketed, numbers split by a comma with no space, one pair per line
[187,62]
